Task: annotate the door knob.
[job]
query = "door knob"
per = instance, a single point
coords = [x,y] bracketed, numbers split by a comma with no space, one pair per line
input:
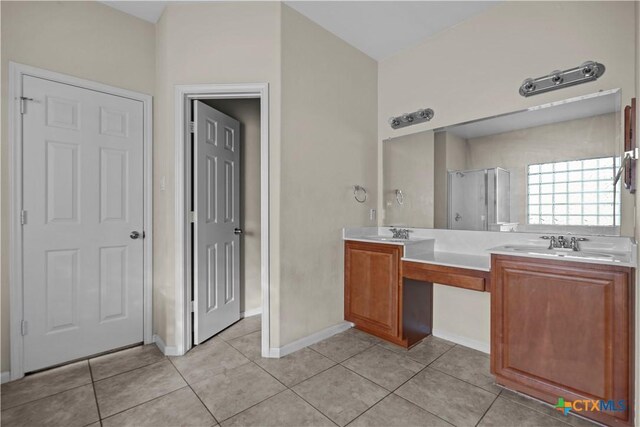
[134,235]
[237,231]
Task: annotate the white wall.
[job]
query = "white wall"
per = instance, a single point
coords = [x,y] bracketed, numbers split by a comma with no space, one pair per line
[82,39]
[474,70]
[208,43]
[329,98]
[247,112]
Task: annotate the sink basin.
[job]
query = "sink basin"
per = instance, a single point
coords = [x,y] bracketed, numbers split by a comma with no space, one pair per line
[564,253]
[386,239]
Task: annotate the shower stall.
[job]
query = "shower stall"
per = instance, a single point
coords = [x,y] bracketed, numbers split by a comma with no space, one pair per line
[479,199]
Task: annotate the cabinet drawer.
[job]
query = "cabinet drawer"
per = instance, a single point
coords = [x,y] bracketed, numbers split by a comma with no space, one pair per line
[459,277]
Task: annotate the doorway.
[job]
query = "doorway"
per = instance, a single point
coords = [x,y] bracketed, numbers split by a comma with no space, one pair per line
[241,101]
[80,258]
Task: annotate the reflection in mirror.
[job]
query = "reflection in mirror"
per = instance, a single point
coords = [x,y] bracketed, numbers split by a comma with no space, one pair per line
[546,169]
[408,180]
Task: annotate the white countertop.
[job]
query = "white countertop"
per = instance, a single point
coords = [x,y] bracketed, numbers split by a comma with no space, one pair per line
[586,256]
[473,249]
[387,240]
[453,259]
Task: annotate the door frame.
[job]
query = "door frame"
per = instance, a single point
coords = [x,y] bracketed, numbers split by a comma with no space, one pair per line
[16,72]
[184,94]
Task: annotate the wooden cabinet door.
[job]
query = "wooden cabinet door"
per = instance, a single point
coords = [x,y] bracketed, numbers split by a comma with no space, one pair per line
[562,329]
[372,281]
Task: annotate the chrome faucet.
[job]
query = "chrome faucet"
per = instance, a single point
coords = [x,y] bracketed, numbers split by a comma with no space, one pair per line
[400,233]
[561,242]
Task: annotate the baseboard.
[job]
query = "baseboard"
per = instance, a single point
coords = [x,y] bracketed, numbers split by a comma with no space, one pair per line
[250,313]
[310,339]
[165,349]
[467,342]
[5,377]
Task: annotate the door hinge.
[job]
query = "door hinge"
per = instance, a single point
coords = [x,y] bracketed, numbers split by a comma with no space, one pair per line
[192,127]
[23,327]
[193,305]
[23,217]
[23,104]
[192,217]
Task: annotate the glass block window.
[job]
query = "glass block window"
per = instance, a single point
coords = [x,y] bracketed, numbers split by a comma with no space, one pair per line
[576,192]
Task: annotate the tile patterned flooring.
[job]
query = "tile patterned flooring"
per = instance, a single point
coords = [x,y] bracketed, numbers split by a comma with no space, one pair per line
[349,379]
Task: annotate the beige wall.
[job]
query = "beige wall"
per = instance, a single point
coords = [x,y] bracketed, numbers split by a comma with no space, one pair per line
[409,166]
[451,154]
[474,69]
[247,112]
[208,43]
[82,39]
[329,98]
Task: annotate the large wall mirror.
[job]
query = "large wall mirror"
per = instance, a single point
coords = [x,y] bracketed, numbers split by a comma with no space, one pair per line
[547,169]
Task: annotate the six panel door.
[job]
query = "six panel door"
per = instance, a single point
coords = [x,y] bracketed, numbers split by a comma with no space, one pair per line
[83,196]
[216,181]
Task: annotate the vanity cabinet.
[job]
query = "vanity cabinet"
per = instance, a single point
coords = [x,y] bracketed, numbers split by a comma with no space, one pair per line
[564,329]
[372,286]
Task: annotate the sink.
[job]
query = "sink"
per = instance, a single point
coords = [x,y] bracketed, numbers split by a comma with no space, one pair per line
[565,253]
[386,239]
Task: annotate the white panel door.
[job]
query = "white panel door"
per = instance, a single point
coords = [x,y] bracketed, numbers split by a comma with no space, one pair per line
[83,197]
[216,233]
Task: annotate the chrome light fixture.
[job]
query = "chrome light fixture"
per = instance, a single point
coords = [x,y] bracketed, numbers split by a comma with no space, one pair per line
[586,72]
[408,119]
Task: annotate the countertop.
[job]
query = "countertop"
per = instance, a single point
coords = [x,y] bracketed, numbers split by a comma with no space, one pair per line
[452,259]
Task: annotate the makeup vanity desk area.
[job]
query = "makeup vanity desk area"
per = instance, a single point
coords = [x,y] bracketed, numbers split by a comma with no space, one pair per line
[559,326]
[389,284]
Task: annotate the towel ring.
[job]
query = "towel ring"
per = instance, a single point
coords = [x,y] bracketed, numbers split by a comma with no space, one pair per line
[359,193]
[399,197]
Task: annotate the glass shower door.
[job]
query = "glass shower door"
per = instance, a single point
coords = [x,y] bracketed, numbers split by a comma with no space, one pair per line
[468,200]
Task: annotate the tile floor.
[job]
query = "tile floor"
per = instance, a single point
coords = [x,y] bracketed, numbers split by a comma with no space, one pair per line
[349,379]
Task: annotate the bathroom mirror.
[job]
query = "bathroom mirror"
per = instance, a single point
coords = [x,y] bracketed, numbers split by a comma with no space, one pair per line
[546,169]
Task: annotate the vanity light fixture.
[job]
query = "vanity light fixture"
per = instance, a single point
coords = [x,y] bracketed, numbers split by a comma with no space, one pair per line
[408,119]
[586,72]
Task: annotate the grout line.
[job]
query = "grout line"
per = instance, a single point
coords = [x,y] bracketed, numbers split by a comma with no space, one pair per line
[487,410]
[45,397]
[131,370]
[95,394]
[437,416]
[313,406]
[155,398]
[194,392]
[361,376]
[547,405]
[271,375]
[145,402]
[255,404]
[234,338]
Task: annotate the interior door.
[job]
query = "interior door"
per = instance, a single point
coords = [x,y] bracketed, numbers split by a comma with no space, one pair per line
[83,197]
[216,230]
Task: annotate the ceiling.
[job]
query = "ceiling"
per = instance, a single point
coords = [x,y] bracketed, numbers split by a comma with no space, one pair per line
[382,28]
[148,10]
[555,112]
[378,28]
